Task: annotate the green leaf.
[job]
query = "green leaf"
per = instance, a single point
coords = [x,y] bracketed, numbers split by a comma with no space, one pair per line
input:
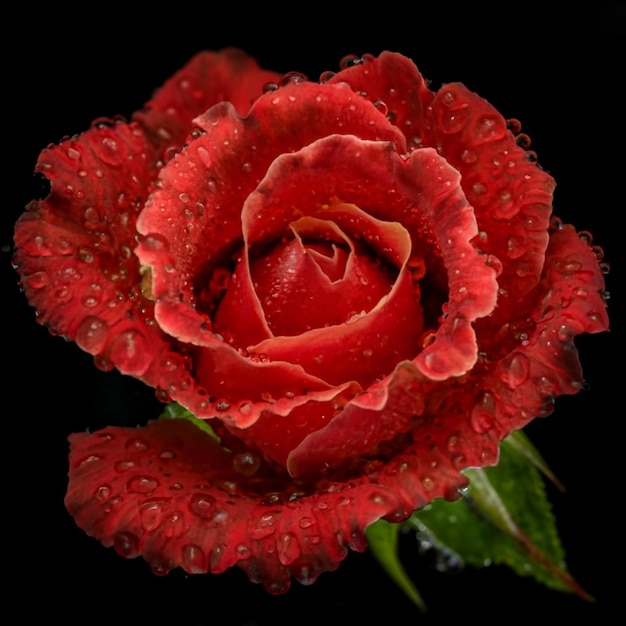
[522,444]
[382,538]
[506,518]
[176,411]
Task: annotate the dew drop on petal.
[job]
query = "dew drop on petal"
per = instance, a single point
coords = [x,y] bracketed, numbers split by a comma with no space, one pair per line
[150,514]
[124,465]
[125,544]
[203,505]
[92,334]
[37,280]
[288,548]
[137,445]
[142,484]
[194,560]
[483,414]
[102,493]
[246,463]
[515,369]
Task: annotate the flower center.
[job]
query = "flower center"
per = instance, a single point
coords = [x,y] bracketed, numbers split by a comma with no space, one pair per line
[318,278]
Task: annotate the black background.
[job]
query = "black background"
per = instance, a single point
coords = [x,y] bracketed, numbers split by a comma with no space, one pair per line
[559,73]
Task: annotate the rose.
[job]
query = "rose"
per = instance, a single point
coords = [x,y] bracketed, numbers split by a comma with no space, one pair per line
[358,283]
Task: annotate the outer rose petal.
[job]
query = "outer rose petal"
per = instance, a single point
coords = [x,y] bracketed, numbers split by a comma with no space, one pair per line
[168,492]
[210,77]
[511,195]
[544,364]
[74,249]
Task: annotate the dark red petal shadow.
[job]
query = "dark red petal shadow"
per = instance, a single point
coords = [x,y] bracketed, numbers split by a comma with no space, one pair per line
[169,493]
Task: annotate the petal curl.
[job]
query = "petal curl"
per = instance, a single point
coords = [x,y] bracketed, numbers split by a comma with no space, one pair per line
[395,85]
[169,493]
[544,363]
[511,195]
[74,249]
[229,75]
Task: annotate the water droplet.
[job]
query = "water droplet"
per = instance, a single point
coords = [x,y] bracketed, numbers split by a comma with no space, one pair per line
[142,484]
[137,445]
[349,61]
[479,189]
[454,120]
[483,414]
[37,280]
[514,369]
[326,76]
[150,514]
[125,544]
[488,128]
[515,247]
[102,493]
[89,459]
[288,548]
[194,560]
[265,525]
[92,333]
[306,522]
[154,243]
[203,505]
[174,525]
[270,86]
[428,483]
[453,443]
[167,454]
[204,156]
[469,156]
[113,502]
[246,463]
[505,208]
[381,106]
[124,465]
[243,551]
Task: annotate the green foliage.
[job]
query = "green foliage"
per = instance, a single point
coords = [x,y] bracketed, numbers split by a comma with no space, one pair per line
[382,538]
[176,411]
[505,519]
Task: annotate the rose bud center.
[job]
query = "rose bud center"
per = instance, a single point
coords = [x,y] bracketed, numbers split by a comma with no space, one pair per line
[317,277]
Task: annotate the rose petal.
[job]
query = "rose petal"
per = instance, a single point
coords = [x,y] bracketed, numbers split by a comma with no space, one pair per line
[229,75]
[544,363]
[384,411]
[394,84]
[168,492]
[74,249]
[500,178]
[511,196]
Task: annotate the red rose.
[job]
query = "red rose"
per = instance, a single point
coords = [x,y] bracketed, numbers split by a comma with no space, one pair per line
[356,280]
